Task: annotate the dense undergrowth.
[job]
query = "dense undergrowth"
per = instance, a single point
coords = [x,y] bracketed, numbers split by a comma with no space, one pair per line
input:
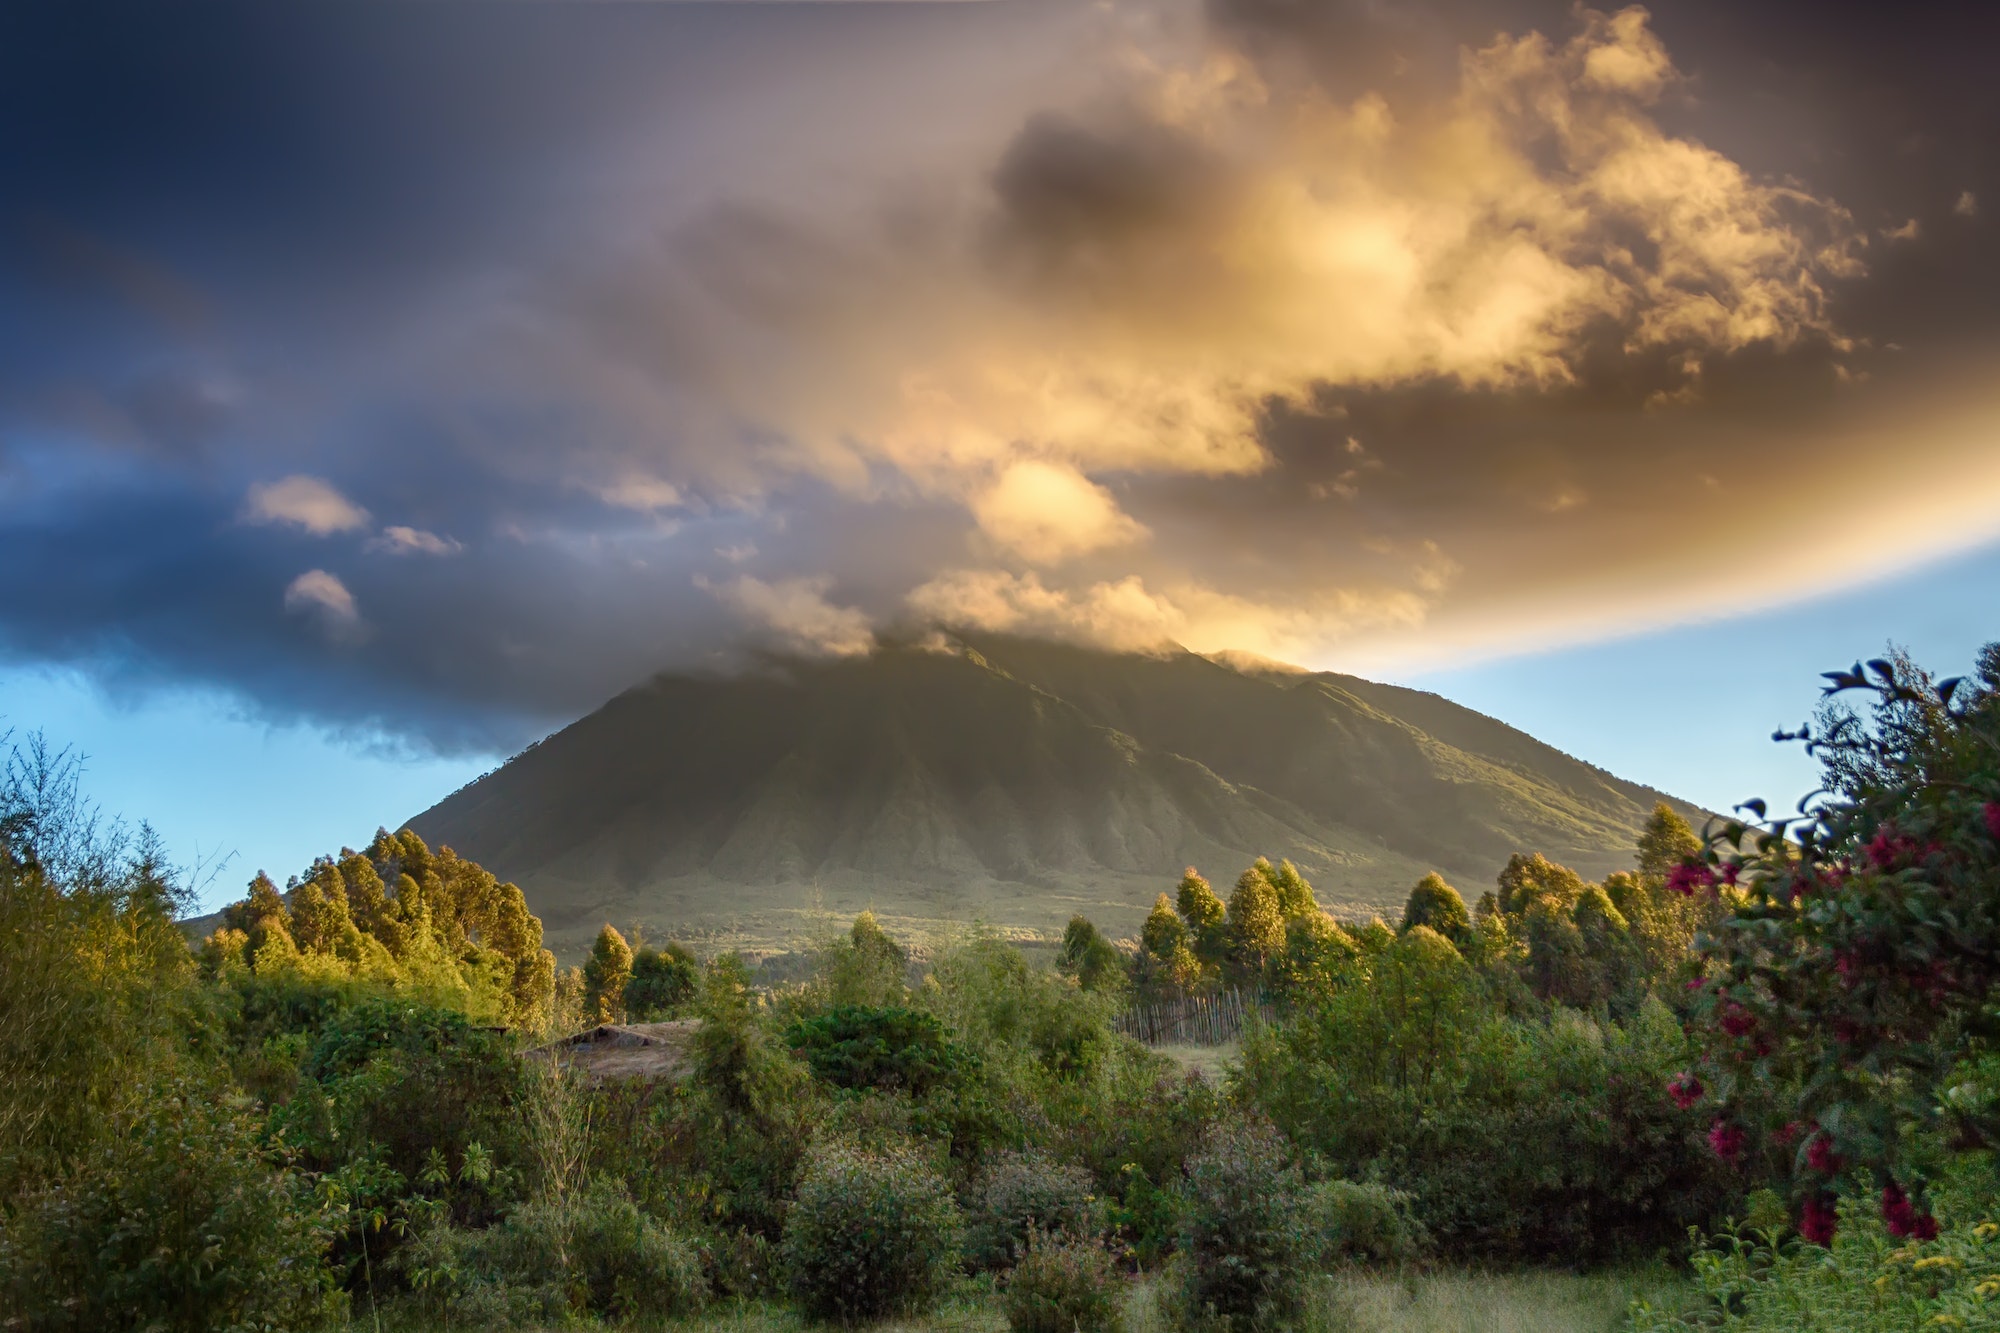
[331,1109]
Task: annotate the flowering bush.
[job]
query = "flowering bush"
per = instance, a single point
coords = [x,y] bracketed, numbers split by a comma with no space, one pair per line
[1751,1281]
[1860,947]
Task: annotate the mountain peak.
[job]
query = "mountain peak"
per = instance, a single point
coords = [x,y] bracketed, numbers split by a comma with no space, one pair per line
[1013,781]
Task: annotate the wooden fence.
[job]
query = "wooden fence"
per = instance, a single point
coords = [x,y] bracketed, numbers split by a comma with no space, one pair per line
[1191,1020]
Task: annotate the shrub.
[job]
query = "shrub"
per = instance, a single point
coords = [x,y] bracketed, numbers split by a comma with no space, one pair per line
[1063,1284]
[663,984]
[1853,968]
[594,1252]
[1365,1221]
[1026,1192]
[1764,1281]
[870,1236]
[854,1046]
[1244,1242]
[174,1221]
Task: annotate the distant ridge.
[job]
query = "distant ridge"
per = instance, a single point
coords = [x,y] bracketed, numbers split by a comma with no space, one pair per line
[1013,781]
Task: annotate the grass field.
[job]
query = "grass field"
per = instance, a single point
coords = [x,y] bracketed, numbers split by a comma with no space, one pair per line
[1530,1302]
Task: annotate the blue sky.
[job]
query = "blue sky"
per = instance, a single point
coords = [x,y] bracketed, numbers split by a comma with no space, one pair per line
[1688,709]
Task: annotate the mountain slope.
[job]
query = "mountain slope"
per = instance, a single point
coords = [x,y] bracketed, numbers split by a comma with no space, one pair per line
[1014,782]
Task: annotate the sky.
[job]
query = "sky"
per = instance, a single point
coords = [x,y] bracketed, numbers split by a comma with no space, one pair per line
[384,385]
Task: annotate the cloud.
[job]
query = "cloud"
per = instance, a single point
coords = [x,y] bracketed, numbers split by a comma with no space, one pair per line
[1092,348]
[1967,205]
[399,540]
[1046,513]
[1909,231]
[307,502]
[640,492]
[324,598]
[797,613]
[1126,615]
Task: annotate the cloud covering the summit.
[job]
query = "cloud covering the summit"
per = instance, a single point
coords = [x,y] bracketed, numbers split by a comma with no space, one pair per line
[1344,334]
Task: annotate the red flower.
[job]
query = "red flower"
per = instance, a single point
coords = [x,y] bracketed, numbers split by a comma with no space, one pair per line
[1738,1021]
[1788,1133]
[1846,965]
[1730,871]
[1818,1220]
[1821,1157]
[1887,849]
[1688,876]
[1992,813]
[1727,1140]
[1685,1089]
[1902,1218]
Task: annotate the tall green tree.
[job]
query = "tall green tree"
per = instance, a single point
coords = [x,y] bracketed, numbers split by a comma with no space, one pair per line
[1438,905]
[1206,918]
[605,975]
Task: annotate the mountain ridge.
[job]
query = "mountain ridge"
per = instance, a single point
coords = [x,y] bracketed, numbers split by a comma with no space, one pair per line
[1012,781]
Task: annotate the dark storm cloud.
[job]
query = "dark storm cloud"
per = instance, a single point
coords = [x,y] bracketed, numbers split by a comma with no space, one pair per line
[438,370]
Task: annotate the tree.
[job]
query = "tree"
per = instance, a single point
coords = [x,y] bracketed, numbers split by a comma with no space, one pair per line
[1318,954]
[1857,947]
[1167,964]
[605,976]
[1438,905]
[1666,842]
[1256,926]
[1205,915]
[1093,960]
[1531,877]
[663,982]
[1295,895]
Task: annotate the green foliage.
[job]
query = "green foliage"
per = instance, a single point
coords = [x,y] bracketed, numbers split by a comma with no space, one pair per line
[1246,1243]
[1852,966]
[173,1219]
[1513,1137]
[605,975]
[870,1236]
[1093,960]
[1295,895]
[1763,1280]
[94,975]
[1166,965]
[853,1047]
[1022,1021]
[866,967]
[447,932]
[392,1084]
[1436,904]
[1364,1221]
[663,983]
[1062,1284]
[592,1253]
[1021,1193]
[1256,925]
[1205,917]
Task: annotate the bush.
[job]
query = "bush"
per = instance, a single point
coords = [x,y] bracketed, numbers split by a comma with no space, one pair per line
[1063,1284]
[173,1221]
[870,1235]
[1023,1193]
[594,1252]
[1245,1248]
[1368,1222]
[854,1046]
[1766,1281]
